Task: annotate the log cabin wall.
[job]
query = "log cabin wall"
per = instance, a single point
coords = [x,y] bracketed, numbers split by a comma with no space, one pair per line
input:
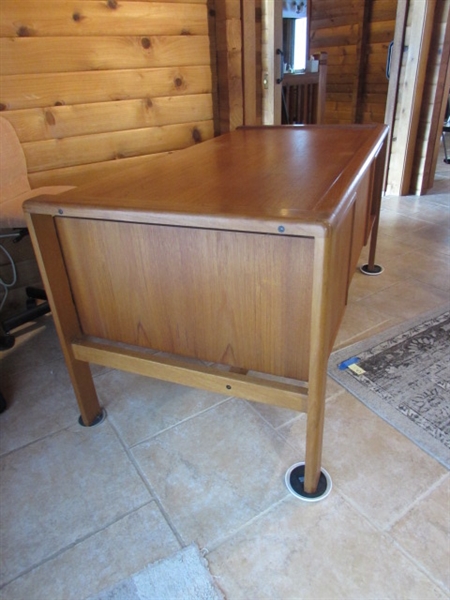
[356,36]
[424,80]
[88,84]
[434,101]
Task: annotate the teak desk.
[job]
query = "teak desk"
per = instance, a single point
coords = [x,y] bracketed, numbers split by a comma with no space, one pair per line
[237,251]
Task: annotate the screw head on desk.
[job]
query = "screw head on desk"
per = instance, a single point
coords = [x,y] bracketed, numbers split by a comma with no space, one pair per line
[281,229]
[60,211]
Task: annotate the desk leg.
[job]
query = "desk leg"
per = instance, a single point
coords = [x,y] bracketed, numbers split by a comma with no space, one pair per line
[371,268]
[309,481]
[51,264]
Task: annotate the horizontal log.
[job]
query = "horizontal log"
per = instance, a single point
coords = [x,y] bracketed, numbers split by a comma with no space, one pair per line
[331,8]
[85,119]
[48,18]
[42,90]
[339,19]
[81,174]
[54,154]
[373,116]
[336,36]
[377,49]
[59,55]
[383,10]
[342,97]
[336,60]
[377,87]
[383,31]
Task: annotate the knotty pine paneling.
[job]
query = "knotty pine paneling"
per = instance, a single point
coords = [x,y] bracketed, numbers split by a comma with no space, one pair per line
[47,18]
[92,84]
[58,122]
[71,151]
[56,89]
[25,56]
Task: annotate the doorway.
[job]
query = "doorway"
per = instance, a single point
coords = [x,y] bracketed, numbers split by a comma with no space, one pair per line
[285,50]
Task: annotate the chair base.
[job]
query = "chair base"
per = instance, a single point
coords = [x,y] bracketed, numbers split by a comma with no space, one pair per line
[33,311]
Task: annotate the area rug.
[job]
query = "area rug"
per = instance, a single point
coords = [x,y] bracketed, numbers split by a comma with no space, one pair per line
[182,576]
[403,375]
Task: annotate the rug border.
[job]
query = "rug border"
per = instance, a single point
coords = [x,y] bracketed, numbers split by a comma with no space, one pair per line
[370,399]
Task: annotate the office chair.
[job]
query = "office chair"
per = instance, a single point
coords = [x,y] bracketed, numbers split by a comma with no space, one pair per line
[446,129]
[14,190]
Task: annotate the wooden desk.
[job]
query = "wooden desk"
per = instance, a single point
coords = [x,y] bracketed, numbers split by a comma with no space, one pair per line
[239,251]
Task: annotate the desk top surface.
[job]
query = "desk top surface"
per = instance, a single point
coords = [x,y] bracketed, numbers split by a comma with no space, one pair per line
[247,178]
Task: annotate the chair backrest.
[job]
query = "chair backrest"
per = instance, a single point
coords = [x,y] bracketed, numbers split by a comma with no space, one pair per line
[13,167]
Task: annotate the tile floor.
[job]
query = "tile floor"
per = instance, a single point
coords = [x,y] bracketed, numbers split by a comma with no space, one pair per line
[83,508]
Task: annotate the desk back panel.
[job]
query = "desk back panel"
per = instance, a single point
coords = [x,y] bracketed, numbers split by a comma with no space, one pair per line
[242,299]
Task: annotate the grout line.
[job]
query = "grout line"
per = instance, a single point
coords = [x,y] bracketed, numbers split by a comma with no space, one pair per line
[193,416]
[420,566]
[80,540]
[217,542]
[417,500]
[148,485]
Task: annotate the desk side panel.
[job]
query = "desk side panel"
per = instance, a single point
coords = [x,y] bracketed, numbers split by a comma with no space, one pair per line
[241,299]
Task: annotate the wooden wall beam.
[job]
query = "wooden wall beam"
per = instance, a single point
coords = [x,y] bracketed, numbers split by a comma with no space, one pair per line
[394,79]
[249,60]
[438,110]
[410,96]
[361,62]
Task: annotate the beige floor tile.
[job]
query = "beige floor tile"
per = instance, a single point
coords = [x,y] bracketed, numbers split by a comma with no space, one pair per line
[140,407]
[406,299]
[433,238]
[103,559]
[36,344]
[415,207]
[366,285]
[360,322]
[431,269]
[424,532]
[217,471]
[403,229]
[387,248]
[60,489]
[378,469]
[311,551]
[40,403]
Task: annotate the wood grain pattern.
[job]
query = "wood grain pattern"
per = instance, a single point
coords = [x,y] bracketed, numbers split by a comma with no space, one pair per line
[133,360]
[48,18]
[59,89]
[59,122]
[51,154]
[209,287]
[87,78]
[357,47]
[61,54]
[222,296]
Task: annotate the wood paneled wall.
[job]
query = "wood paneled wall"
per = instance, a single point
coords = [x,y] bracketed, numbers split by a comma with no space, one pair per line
[434,102]
[356,36]
[88,83]
[424,81]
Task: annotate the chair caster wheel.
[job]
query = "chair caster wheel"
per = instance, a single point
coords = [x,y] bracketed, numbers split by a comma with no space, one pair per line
[7,341]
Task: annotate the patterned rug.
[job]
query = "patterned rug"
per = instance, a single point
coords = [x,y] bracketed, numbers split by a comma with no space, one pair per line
[403,375]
